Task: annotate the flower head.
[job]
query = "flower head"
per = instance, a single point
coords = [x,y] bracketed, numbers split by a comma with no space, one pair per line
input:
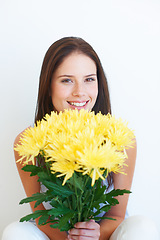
[96,159]
[119,134]
[64,167]
[32,141]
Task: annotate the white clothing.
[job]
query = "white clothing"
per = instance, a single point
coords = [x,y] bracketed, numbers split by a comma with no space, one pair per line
[132,228]
[136,228]
[23,230]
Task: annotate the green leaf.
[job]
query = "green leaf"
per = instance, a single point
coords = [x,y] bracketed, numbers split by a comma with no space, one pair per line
[46,199]
[59,211]
[117,192]
[73,202]
[64,220]
[76,181]
[101,218]
[32,168]
[87,196]
[114,193]
[55,202]
[43,176]
[34,215]
[34,197]
[105,208]
[66,227]
[58,190]
[43,219]
[102,199]
[29,217]
[39,197]
[99,191]
[55,225]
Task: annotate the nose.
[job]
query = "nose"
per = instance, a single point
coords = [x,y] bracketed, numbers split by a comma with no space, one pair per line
[78,90]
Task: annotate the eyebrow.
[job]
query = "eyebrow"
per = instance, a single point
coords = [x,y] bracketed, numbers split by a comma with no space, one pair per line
[66,75]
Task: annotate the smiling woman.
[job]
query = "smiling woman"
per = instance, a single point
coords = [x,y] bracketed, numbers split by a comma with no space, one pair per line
[72,77]
[74,83]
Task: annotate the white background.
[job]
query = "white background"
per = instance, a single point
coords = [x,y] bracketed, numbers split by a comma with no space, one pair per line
[126,35]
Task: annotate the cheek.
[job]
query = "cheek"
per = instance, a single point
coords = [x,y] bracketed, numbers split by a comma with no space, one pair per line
[94,92]
[58,92]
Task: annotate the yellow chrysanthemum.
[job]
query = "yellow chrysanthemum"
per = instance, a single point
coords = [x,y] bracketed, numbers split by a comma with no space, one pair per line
[74,140]
[32,141]
[120,134]
[95,159]
[69,121]
[64,167]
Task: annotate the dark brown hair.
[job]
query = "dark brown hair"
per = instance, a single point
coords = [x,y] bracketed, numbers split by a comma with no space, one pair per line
[53,58]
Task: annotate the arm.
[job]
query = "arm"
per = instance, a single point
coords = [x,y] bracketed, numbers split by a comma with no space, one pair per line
[121,181]
[91,230]
[31,186]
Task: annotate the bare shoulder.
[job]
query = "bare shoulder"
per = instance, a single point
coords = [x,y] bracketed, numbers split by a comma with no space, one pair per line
[132,151]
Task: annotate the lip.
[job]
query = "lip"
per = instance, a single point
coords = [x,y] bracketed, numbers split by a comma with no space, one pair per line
[79,102]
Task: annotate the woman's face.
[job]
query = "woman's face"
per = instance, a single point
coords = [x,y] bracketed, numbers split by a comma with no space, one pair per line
[74,83]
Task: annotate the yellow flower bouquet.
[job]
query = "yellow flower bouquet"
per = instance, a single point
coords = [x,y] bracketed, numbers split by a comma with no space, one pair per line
[72,153]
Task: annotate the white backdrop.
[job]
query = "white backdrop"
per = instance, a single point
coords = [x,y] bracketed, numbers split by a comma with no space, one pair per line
[126,35]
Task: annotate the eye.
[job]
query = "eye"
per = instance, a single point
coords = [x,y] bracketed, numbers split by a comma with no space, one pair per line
[67,80]
[90,79]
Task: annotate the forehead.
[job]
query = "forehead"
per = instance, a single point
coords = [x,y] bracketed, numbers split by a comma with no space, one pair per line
[77,63]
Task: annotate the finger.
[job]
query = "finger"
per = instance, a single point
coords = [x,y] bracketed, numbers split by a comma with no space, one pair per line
[82,238]
[87,225]
[75,232]
[92,233]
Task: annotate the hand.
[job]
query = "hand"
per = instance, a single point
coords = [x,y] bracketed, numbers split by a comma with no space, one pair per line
[85,231]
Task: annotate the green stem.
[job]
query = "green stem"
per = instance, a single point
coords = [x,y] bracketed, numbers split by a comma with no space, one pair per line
[87,180]
[48,168]
[39,163]
[47,164]
[86,217]
[69,204]
[78,200]
[93,193]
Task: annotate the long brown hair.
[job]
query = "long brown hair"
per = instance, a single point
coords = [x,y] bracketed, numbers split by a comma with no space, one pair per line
[53,58]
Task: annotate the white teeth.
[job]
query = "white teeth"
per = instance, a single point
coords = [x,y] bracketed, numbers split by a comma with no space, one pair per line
[77,104]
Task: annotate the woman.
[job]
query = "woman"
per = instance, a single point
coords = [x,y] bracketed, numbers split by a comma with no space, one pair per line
[72,77]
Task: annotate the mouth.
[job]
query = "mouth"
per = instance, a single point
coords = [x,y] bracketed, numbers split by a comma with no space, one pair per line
[78,104]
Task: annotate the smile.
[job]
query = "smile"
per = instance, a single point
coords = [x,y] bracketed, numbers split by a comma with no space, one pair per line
[78,104]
